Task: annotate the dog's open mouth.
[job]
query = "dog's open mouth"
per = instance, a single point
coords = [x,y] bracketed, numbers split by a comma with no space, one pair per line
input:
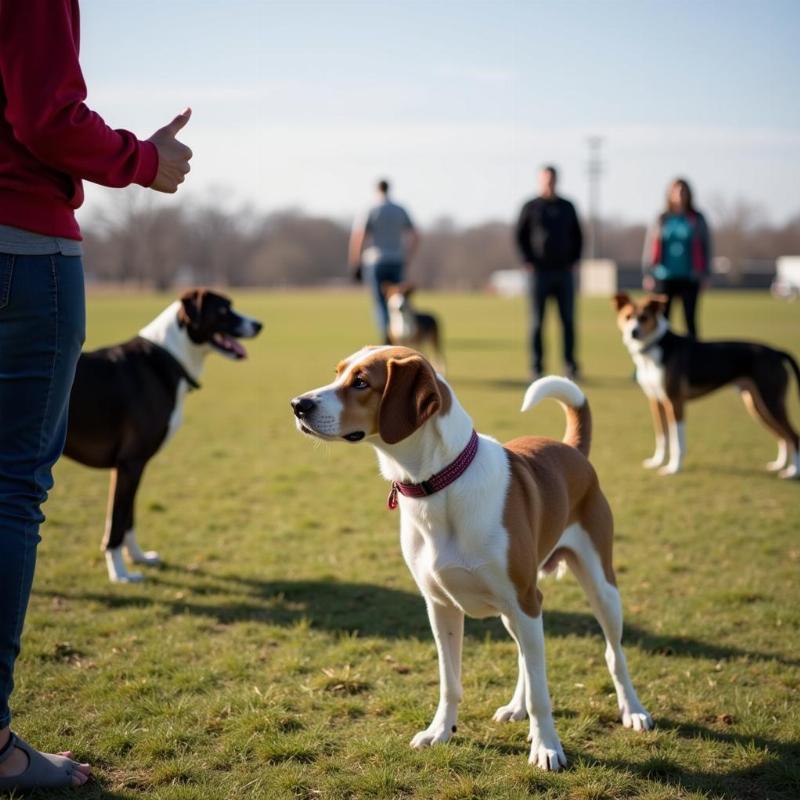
[228,346]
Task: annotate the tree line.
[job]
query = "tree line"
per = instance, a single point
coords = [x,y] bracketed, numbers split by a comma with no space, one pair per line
[136,242]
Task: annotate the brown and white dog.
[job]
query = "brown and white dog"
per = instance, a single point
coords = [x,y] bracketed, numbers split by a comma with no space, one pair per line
[127,401]
[411,328]
[476,544]
[674,369]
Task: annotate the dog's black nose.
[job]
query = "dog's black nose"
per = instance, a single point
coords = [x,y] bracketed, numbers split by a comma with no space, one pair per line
[257,326]
[302,406]
[635,333]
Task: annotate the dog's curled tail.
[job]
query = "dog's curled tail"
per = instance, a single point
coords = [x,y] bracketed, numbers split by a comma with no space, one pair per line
[793,364]
[574,403]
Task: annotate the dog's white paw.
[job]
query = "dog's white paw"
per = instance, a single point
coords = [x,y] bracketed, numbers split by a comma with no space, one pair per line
[548,755]
[150,558]
[775,466]
[127,577]
[670,469]
[512,712]
[636,718]
[792,472]
[436,733]
[652,462]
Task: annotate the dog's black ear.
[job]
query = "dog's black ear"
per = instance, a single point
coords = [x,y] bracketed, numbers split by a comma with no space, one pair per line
[620,300]
[657,303]
[191,307]
[412,395]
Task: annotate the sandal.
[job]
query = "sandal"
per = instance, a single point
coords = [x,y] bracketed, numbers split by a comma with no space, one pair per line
[43,771]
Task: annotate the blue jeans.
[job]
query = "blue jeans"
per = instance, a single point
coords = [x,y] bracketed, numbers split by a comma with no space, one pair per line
[559,284]
[391,271]
[42,327]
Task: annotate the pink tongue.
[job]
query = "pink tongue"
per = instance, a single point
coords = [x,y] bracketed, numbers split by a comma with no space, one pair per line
[231,344]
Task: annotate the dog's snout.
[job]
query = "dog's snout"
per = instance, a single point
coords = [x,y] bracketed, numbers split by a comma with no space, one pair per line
[302,406]
[257,326]
[635,333]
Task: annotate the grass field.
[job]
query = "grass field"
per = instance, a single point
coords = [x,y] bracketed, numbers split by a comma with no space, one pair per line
[282,651]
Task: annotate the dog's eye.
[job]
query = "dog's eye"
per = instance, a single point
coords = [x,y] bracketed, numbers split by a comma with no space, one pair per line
[642,318]
[629,317]
[359,383]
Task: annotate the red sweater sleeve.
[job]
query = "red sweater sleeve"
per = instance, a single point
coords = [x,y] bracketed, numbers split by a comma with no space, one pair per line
[45,90]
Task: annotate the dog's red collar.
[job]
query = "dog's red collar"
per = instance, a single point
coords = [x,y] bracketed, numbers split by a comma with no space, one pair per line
[440,480]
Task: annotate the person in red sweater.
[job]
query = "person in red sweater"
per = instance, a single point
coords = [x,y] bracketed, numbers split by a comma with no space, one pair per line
[49,142]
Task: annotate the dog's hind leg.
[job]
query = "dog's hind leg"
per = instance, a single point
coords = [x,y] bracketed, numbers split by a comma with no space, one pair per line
[767,404]
[515,710]
[596,576]
[125,479]
[447,624]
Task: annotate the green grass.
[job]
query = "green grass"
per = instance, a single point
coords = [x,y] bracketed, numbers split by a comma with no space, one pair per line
[283,651]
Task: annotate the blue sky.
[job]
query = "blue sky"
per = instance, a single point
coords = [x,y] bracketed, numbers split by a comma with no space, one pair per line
[306,103]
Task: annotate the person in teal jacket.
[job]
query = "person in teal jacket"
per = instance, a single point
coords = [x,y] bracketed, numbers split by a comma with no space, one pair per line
[677,253]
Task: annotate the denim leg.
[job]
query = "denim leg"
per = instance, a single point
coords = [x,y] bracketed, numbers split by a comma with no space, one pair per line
[42,327]
[538,292]
[391,271]
[565,295]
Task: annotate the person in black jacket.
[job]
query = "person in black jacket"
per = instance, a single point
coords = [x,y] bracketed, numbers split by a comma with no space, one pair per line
[550,241]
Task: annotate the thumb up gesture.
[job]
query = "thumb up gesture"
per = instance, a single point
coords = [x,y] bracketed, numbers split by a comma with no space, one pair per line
[173,157]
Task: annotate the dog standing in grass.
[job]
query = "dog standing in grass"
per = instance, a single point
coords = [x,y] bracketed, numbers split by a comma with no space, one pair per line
[127,401]
[673,369]
[411,328]
[479,520]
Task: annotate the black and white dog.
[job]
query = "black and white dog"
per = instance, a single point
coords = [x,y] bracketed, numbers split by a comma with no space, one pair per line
[127,401]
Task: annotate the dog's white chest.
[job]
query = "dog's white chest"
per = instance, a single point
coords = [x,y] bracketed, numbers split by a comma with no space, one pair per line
[176,418]
[650,374]
[446,575]
[402,327]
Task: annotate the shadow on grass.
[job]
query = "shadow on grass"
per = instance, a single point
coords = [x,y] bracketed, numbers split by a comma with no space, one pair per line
[370,610]
[776,776]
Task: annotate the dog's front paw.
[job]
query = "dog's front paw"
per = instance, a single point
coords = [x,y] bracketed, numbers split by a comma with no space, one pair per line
[513,712]
[653,462]
[637,718]
[548,755]
[670,469]
[436,733]
[149,558]
[792,472]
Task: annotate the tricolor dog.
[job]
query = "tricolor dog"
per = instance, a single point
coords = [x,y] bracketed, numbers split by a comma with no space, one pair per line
[674,369]
[479,520]
[411,328]
[127,401]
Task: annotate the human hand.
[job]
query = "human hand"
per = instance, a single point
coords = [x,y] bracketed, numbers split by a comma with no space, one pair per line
[173,156]
[648,283]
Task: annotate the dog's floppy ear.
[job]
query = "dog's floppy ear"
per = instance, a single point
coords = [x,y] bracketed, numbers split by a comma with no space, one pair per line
[191,305]
[386,288]
[409,289]
[620,300]
[411,396]
[657,303]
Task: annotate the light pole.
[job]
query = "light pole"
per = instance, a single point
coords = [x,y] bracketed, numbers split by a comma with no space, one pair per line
[594,169]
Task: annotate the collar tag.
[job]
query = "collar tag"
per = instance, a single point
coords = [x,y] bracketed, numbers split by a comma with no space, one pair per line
[391,501]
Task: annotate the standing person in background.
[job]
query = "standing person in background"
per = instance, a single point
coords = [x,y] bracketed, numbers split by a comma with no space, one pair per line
[677,253]
[49,141]
[550,241]
[391,241]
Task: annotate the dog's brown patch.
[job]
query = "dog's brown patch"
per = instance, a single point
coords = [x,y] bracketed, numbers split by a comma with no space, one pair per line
[552,486]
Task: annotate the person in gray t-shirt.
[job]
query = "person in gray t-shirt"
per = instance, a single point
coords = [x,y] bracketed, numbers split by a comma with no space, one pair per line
[382,244]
